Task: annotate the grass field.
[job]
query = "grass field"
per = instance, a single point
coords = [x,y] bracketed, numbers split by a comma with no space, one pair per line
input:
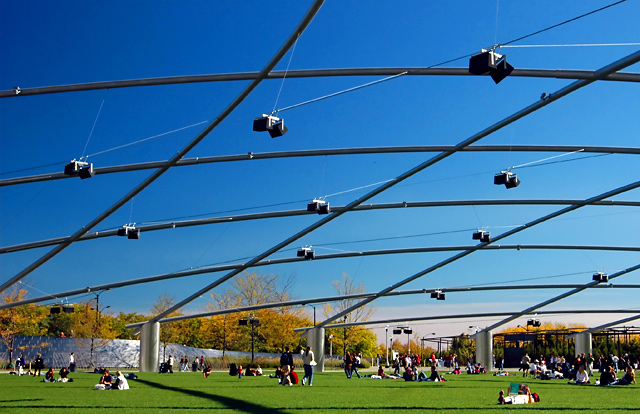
[331,393]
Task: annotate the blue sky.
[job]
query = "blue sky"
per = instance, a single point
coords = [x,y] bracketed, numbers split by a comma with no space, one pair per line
[46,43]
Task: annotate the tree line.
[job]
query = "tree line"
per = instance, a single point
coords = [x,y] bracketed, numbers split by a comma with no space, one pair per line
[272,333]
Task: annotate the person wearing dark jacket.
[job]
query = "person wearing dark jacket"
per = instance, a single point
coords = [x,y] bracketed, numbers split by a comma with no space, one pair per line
[38,365]
[286,358]
[608,377]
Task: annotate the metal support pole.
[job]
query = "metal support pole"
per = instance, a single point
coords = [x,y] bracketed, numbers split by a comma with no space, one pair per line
[386,335]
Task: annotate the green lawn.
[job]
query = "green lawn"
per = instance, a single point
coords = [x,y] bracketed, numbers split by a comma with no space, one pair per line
[331,393]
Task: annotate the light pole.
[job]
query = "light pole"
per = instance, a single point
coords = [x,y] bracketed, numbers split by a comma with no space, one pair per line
[386,335]
[96,330]
[253,322]
[408,331]
[331,346]
[422,346]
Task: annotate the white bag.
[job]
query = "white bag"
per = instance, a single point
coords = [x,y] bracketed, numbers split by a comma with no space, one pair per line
[99,387]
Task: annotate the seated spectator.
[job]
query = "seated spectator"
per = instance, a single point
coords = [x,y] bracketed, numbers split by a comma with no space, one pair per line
[286,378]
[48,377]
[294,376]
[258,370]
[628,378]
[608,377]
[380,371]
[534,369]
[206,371]
[435,375]
[120,382]
[106,379]
[408,374]
[64,373]
[582,377]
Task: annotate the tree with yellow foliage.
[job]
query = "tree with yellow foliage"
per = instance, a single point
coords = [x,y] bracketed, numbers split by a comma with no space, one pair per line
[275,330]
[20,320]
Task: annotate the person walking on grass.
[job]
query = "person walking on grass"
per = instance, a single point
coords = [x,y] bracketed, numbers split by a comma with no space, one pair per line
[308,363]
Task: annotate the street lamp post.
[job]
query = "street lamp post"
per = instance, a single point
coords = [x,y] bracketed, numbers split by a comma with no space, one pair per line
[96,331]
[386,335]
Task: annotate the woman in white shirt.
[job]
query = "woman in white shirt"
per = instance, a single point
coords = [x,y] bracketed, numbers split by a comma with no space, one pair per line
[308,363]
[582,377]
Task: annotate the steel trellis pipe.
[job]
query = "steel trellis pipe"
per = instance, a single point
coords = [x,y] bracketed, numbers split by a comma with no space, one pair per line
[324,152]
[310,73]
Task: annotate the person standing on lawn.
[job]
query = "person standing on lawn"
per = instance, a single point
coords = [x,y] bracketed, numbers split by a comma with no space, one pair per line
[308,363]
[38,365]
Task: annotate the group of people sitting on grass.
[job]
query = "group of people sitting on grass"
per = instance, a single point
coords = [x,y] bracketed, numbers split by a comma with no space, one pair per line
[49,376]
[108,382]
[580,370]
[411,374]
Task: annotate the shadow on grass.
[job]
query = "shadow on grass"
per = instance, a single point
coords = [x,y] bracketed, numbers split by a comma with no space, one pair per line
[231,403]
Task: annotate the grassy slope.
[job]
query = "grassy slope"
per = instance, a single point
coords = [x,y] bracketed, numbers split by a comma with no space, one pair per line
[331,393]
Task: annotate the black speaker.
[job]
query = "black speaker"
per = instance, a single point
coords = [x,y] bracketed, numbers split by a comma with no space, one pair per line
[301,253]
[434,295]
[324,209]
[500,179]
[278,130]
[123,231]
[255,322]
[512,182]
[477,235]
[481,63]
[242,322]
[502,70]
[261,124]
[408,331]
[441,296]
[54,310]
[68,308]
[133,234]
[313,206]
[310,255]
[71,168]
[86,171]
[486,237]
[397,331]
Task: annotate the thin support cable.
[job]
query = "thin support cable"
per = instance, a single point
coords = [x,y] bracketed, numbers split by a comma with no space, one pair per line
[92,128]
[563,23]
[495,37]
[293,49]
[577,45]
[542,160]
[331,95]
[356,189]
[147,139]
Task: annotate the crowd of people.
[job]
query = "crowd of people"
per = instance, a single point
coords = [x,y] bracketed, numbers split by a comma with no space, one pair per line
[580,369]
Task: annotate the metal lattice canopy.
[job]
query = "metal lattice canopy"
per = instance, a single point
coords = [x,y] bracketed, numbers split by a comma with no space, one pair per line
[407,165]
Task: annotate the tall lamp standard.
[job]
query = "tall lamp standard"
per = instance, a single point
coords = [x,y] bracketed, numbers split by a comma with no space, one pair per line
[96,331]
[386,335]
